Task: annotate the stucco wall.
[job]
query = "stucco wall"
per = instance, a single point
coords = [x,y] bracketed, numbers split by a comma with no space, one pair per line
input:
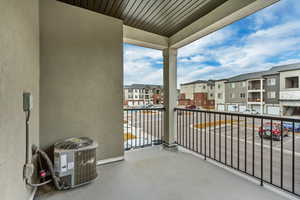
[81,77]
[19,71]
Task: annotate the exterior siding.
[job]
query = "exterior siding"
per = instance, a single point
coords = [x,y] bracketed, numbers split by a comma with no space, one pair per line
[272,88]
[239,88]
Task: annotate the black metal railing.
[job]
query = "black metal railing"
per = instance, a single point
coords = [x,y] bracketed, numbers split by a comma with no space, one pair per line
[265,147]
[143,127]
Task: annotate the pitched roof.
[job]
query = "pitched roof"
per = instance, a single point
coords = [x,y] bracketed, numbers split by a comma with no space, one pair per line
[141,86]
[260,74]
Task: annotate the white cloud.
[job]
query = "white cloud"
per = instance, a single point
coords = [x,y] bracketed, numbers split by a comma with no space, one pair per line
[250,53]
[139,65]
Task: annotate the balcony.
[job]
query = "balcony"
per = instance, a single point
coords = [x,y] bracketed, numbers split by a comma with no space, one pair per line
[255,85]
[154,173]
[255,100]
[224,144]
[74,73]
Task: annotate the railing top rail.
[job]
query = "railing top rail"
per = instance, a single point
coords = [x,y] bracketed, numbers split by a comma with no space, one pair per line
[288,119]
[136,109]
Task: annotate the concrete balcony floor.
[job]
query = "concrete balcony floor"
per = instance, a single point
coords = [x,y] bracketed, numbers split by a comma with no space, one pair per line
[157,174]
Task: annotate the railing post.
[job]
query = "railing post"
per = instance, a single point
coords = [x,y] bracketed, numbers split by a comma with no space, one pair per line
[170,96]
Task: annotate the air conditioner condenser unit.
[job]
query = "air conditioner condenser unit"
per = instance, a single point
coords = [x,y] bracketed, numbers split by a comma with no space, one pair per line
[75,161]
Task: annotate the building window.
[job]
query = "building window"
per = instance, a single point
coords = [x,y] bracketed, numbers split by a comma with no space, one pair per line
[243,95]
[292,82]
[211,87]
[136,96]
[211,94]
[232,85]
[244,84]
[232,95]
[204,87]
[219,86]
[271,95]
[130,90]
[219,95]
[271,81]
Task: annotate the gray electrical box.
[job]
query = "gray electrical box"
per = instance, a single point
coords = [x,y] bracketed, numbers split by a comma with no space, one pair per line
[27,101]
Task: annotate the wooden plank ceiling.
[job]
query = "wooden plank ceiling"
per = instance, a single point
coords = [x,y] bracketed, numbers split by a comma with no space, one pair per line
[163,17]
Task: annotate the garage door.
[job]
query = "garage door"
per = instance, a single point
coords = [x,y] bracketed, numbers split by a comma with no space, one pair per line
[221,107]
[232,108]
[242,108]
[273,110]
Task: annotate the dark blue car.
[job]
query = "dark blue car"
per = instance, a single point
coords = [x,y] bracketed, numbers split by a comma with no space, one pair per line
[289,126]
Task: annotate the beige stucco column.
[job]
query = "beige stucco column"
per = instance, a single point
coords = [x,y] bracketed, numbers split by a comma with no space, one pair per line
[170,95]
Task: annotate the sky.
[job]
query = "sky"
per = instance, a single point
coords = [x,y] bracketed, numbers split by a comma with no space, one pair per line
[268,38]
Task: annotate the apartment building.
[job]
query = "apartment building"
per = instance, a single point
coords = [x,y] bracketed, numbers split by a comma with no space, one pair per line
[265,92]
[290,92]
[141,94]
[274,92]
[199,93]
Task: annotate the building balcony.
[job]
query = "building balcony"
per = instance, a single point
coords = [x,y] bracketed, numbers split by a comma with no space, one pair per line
[255,89]
[290,95]
[256,100]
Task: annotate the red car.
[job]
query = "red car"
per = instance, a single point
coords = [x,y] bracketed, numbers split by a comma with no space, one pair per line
[265,131]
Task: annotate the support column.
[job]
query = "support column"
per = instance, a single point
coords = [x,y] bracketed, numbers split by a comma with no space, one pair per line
[170,96]
[261,96]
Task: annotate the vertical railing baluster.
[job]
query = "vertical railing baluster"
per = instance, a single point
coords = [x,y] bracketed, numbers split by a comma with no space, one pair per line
[293,158]
[159,130]
[220,138]
[271,153]
[127,135]
[205,135]
[261,157]
[253,147]
[135,123]
[215,136]
[189,126]
[181,128]
[238,144]
[201,127]
[193,130]
[245,150]
[209,135]
[231,141]
[147,125]
[177,130]
[281,154]
[151,124]
[143,128]
[131,132]
[197,131]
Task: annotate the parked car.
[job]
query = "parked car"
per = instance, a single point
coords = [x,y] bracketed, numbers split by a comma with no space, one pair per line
[265,131]
[251,111]
[289,126]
